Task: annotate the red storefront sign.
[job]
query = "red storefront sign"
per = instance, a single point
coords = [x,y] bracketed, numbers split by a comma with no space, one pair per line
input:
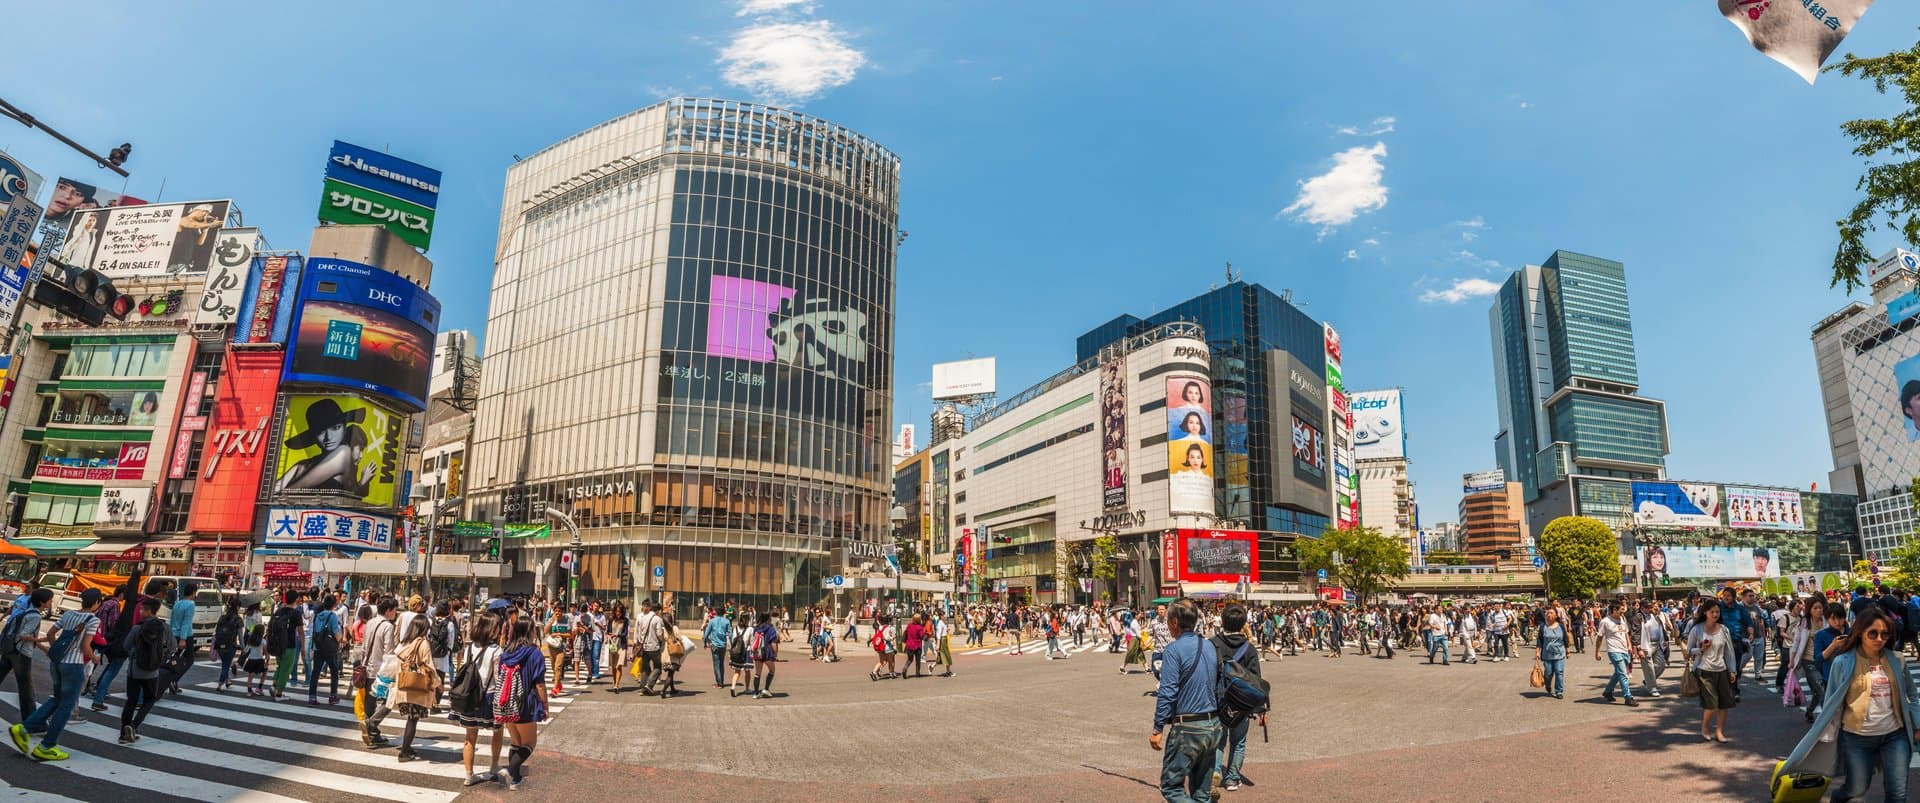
[275,568]
[235,450]
[1169,561]
[1218,556]
[273,273]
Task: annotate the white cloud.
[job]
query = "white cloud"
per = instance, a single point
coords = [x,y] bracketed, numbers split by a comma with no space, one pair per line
[1470,229]
[1351,256]
[1370,241]
[1476,259]
[1352,187]
[758,7]
[1461,290]
[1380,125]
[789,62]
[1525,105]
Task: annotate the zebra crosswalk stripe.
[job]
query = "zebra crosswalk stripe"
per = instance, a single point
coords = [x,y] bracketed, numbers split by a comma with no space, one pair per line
[153,781]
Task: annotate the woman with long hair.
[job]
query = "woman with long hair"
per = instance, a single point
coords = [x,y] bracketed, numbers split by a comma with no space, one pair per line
[1551,651]
[416,658]
[1871,717]
[1807,617]
[528,668]
[1711,660]
[739,659]
[483,655]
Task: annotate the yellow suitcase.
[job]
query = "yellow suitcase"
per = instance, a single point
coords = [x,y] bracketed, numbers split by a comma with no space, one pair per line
[1803,787]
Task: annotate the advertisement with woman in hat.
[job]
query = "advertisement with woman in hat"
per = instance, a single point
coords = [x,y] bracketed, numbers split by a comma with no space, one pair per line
[337,448]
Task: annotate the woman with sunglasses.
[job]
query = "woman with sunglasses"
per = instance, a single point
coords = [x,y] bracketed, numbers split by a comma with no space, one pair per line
[1870,719]
[1711,660]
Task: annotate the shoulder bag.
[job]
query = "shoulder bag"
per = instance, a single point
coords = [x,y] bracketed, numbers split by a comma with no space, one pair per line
[414,676]
[1690,683]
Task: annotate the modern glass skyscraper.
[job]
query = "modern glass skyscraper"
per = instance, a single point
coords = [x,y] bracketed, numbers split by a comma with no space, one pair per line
[1566,379]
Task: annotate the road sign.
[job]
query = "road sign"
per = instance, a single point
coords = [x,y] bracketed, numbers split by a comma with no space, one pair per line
[1539,562]
[659,571]
[1322,573]
[839,580]
[566,559]
[660,576]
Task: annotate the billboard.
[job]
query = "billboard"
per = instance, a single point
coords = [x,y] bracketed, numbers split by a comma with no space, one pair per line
[71,196]
[151,241]
[1190,458]
[1217,556]
[237,442]
[1346,483]
[1379,432]
[959,380]
[227,276]
[384,173]
[1482,481]
[324,527]
[123,510]
[1672,504]
[266,306]
[361,327]
[1764,509]
[17,183]
[358,206]
[1716,562]
[345,445]
[1906,378]
[1899,259]
[1309,449]
[1113,431]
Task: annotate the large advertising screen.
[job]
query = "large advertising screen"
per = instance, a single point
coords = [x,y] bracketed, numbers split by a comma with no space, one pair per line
[1190,459]
[1378,429]
[1906,378]
[151,241]
[361,327]
[343,445]
[238,442]
[1764,509]
[1113,431]
[1309,450]
[1673,504]
[1715,562]
[1218,556]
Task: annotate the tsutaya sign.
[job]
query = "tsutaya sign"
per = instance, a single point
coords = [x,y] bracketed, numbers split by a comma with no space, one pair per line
[600,489]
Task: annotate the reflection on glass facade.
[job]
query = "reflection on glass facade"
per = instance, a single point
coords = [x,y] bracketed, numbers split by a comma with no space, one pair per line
[693,306]
[1590,327]
[1610,427]
[1243,322]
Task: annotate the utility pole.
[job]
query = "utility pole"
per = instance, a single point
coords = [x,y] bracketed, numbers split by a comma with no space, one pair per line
[112,161]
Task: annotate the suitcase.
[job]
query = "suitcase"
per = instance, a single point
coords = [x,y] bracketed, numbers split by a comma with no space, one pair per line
[1802,787]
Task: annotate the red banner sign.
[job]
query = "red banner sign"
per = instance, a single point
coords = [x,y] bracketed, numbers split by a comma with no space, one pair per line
[273,274]
[235,449]
[1218,556]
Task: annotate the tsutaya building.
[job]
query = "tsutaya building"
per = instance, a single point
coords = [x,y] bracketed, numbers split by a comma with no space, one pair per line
[1199,440]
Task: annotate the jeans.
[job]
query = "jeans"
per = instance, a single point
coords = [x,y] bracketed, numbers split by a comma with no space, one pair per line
[1651,667]
[1862,755]
[1556,672]
[105,681]
[649,668]
[1499,645]
[142,693]
[1619,661]
[324,663]
[593,659]
[1816,685]
[1233,751]
[226,662]
[22,668]
[52,717]
[1187,761]
[1437,643]
[719,665]
[1759,654]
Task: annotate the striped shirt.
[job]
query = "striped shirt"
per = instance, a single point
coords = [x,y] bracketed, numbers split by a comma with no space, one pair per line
[69,621]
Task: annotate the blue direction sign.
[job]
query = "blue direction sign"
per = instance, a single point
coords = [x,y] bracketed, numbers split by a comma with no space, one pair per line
[1322,573]
[659,571]
[839,580]
[1539,562]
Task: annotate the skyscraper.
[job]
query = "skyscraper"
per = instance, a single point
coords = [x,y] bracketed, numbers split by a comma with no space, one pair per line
[1566,381]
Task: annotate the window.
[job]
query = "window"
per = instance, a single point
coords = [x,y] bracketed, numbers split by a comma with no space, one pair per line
[131,359]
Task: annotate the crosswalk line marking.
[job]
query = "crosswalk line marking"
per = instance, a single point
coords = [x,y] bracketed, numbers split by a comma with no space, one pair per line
[280,770]
[88,765]
[438,723]
[295,747]
[9,791]
[347,727]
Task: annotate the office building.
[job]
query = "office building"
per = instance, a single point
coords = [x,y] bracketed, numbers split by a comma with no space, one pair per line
[1493,522]
[1566,382]
[690,354]
[1868,361]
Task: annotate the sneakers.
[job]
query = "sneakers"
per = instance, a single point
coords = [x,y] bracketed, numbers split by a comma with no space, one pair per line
[1653,693]
[98,706]
[19,734]
[477,779]
[1607,697]
[45,753]
[1632,703]
[127,736]
[408,754]
[1232,786]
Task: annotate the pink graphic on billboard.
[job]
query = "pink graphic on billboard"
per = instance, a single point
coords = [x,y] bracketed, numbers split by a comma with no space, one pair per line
[738,317]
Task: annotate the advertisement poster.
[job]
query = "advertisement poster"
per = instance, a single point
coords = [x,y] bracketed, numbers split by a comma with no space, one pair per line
[1217,556]
[340,444]
[149,241]
[238,442]
[1763,509]
[320,527]
[1378,429]
[357,206]
[1672,504]
[1113,431]
[1480,481]
[1308,449]
[1799,35]
[227,277]
[1716,562]
[70,197]
[1906,379]
[1346,483]
[123,509]
[361,327]
[1190,468]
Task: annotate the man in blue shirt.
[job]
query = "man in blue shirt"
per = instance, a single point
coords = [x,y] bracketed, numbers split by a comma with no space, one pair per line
[1733,616]
[1185,724]
[180,621]
[719,631]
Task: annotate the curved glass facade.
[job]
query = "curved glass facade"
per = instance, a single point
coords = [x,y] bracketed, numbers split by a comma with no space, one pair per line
[691,343]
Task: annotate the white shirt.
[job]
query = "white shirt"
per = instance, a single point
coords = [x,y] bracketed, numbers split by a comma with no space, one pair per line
[1613,636]
[1879,719]
[1436,623]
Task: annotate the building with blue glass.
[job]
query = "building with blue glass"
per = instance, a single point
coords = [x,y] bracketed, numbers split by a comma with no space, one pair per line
[1567,384]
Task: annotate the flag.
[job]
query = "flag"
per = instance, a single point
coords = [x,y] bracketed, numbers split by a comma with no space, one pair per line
[1798,33]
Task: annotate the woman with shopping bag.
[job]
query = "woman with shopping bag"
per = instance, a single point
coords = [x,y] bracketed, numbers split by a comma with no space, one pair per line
[416,683]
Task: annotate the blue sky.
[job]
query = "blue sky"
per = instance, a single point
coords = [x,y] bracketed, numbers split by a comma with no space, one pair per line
[1065,162]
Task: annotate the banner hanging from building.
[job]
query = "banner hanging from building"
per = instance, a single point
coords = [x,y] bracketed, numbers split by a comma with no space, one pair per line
[322,527]
[151,241]
[341,444]
[238,442]
[1799,35]
[1672,504]
[1113,430]
[1708,562]
[227,277]
[1379,431]
[1346,483]
[123,509]
[1764,509]
[1190,463]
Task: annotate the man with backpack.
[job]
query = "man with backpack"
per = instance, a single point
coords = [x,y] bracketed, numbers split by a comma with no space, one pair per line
[283,641]
[1244,694]
[130,613]
[147,648]
[68,656]
[325,637]
[20,641]
[1186,724]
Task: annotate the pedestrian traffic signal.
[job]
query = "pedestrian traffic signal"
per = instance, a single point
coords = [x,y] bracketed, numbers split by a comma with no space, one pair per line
[493,549]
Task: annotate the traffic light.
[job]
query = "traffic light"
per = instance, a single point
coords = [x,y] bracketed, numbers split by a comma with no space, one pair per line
[493,549]
[118,156]
[1003,539]
[84,295]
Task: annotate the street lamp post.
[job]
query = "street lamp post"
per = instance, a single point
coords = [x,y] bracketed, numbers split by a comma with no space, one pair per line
[433,520]
[899,520]
[573,585]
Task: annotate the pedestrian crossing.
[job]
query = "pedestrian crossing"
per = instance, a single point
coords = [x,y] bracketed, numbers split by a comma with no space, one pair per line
[1035,647]
[210,746]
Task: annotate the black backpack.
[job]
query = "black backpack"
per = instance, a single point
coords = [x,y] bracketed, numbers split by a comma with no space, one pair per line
[467,695]
[437,641]
[281,631]
[147,645]
[226,634]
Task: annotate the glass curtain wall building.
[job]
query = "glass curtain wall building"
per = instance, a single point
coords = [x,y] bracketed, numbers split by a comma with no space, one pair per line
[1566,379]
[690,352]
[1244,323]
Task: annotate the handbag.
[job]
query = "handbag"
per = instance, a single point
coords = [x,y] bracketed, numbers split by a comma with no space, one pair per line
[361,679]
[414,678]
[1538,678]
[1790,694]
[554,642]
[1690,684]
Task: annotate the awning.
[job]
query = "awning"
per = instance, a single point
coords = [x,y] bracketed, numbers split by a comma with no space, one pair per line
[236,542]
[9,549]
[53,547]
[104,548]
[1164,600]
[1281,596]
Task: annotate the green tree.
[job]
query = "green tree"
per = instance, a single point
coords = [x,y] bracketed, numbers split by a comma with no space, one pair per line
[1891,187]
[1583,556]
[1105,547]
[1368,561]
[1902,566]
